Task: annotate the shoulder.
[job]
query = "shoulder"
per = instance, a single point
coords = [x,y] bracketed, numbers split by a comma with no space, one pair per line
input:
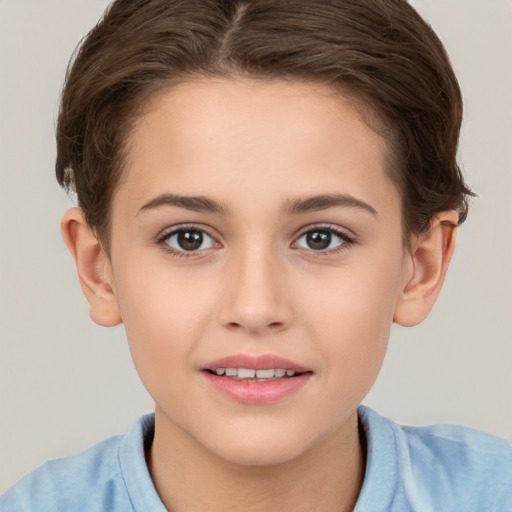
[440,467]
[90,481]
[467,464]
[71,483]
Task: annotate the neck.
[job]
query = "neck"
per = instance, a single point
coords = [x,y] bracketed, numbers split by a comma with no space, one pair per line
[189,478]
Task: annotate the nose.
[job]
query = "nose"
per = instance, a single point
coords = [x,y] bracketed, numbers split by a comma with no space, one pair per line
[255,296]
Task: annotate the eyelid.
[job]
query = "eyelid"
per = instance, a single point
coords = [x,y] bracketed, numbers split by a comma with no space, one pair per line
[168,231]
[328,227]
[172,230]
[344,234]
[348,238]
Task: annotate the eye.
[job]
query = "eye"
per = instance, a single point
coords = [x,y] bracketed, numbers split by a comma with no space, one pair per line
[323,239]
[188,240]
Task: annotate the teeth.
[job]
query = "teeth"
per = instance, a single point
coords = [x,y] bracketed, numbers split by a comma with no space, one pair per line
[249,373]
[264,374]
[243,373]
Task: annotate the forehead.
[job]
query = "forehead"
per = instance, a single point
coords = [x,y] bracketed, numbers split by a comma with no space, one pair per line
[278,137]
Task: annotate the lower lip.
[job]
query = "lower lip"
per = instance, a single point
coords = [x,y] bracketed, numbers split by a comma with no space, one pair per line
[263,392]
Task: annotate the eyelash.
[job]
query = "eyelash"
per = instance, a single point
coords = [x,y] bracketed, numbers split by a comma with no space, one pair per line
[167,234]
[347,241]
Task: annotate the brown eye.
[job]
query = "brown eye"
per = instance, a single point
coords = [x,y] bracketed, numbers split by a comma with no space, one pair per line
[189,240]
[323,239]
[318,240]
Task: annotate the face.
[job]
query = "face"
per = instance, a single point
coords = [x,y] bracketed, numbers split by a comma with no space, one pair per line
[256,229]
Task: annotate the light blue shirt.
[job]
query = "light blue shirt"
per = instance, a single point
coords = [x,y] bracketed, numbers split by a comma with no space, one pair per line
[440,468]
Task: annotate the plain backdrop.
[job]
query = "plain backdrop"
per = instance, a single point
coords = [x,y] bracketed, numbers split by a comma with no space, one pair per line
[66,383]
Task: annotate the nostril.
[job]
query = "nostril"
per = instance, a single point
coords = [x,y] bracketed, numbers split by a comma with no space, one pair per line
[234,326]
[273,326]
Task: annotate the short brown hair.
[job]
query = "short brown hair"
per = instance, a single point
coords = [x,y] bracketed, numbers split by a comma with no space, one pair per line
[380,52]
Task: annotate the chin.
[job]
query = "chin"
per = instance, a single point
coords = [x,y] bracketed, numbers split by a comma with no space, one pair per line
[259,450]
[259,458]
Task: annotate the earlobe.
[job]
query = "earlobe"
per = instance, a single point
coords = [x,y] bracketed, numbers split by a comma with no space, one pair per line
[93,267]
[430,255]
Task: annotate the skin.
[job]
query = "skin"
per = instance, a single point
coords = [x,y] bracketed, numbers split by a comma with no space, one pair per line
[257,287]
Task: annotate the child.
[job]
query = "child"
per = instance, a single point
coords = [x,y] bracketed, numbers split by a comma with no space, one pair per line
[264,187]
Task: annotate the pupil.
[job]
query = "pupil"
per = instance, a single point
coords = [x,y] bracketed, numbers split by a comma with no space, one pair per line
[190,240]
[318,239]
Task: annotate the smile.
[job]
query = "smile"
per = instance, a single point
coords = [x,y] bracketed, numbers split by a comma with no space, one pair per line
[256,379]
[253,374]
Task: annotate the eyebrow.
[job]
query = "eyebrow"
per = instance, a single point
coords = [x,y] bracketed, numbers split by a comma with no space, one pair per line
[326,201]
[193,203]
[293,207]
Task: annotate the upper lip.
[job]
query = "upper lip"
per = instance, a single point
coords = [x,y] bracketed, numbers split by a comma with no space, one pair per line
[256,362]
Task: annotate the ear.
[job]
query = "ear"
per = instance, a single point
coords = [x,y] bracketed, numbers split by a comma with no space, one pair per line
[430,255]
[93,266]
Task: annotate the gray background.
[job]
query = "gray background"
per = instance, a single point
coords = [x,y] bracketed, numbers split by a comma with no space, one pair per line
[66,383]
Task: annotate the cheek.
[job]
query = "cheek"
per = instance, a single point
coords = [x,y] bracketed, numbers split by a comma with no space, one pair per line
[165,316]
[351,317]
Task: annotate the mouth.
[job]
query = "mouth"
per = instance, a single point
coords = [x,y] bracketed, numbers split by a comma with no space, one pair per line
[254,375]
[256,379]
